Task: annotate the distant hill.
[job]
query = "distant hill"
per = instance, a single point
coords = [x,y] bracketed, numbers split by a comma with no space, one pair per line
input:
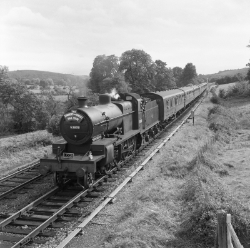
[225,73]
[30,74]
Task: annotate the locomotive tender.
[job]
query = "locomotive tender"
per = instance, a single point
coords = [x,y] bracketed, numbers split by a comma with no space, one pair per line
[99,138]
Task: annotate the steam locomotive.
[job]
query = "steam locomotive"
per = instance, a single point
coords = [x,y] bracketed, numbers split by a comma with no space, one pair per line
[99,138]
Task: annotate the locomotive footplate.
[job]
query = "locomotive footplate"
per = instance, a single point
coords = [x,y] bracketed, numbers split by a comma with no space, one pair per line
[55,164]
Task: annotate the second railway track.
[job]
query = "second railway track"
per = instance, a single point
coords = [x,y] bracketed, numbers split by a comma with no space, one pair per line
[18,180]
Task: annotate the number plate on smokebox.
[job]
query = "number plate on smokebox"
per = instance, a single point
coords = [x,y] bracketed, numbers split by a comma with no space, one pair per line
[68,155]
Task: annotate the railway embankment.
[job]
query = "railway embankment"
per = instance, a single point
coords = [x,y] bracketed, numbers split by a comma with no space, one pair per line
[174,201]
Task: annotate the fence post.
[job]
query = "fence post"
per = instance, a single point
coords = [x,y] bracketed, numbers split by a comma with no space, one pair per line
[229,238]
[222,229]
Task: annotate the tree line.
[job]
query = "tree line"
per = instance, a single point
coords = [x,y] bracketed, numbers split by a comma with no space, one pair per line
[230,79]
[135,71]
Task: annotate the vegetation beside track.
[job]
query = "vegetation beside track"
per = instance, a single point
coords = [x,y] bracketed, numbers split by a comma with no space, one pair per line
[22,149]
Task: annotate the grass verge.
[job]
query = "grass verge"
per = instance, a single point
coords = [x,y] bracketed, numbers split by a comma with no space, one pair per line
[18,150]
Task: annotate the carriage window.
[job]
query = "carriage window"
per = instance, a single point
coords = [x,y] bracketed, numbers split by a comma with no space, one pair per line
[167,104]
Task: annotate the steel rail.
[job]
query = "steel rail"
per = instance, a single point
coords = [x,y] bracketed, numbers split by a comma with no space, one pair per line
[23,169]
[24,210]
[56,215]
[4,194]
[79,228]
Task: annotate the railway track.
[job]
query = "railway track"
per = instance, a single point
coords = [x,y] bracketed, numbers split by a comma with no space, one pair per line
[18,180]
[36,222]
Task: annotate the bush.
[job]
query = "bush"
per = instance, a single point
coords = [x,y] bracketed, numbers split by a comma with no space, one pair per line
[222,119]
[6,125]
[215,99]
[203,196]
[53,126]
[237,90]
[222,93]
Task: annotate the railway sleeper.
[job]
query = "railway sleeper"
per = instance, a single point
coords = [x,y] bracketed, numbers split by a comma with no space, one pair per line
[54,210]
[9,185]
[10,196]
[64,198]
[52,204]
[93,195]
[27,231]
[16,180]
[25,222]
[24,177]
[66,194]
[34,217]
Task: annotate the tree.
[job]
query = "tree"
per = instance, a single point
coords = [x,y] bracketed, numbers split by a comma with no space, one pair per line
[177,71]
[35,81]
[6,123]
[164,78]
[189,75]
[103,67]
[3,73]
[104,75]
[29,113]
[138,69]
[248,73]
[26,81]
[61,82]
[44,83]
[239,77]
[50,81]
[27,110]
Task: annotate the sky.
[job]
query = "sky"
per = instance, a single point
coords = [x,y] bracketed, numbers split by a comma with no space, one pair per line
[65,36]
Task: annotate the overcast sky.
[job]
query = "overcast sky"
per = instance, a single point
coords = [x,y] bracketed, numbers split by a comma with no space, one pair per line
[66,35]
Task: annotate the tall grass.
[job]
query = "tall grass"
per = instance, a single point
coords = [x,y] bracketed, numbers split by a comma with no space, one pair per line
[203,193]
[18,150]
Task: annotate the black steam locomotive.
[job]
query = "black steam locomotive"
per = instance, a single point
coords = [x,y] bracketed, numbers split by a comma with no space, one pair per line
[99,138]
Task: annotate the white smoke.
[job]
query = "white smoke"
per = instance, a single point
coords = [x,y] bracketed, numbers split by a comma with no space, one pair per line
[114,94]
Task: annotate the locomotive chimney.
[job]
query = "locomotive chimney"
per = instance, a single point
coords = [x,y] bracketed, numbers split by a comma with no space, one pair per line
[104,99]
[82,102]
